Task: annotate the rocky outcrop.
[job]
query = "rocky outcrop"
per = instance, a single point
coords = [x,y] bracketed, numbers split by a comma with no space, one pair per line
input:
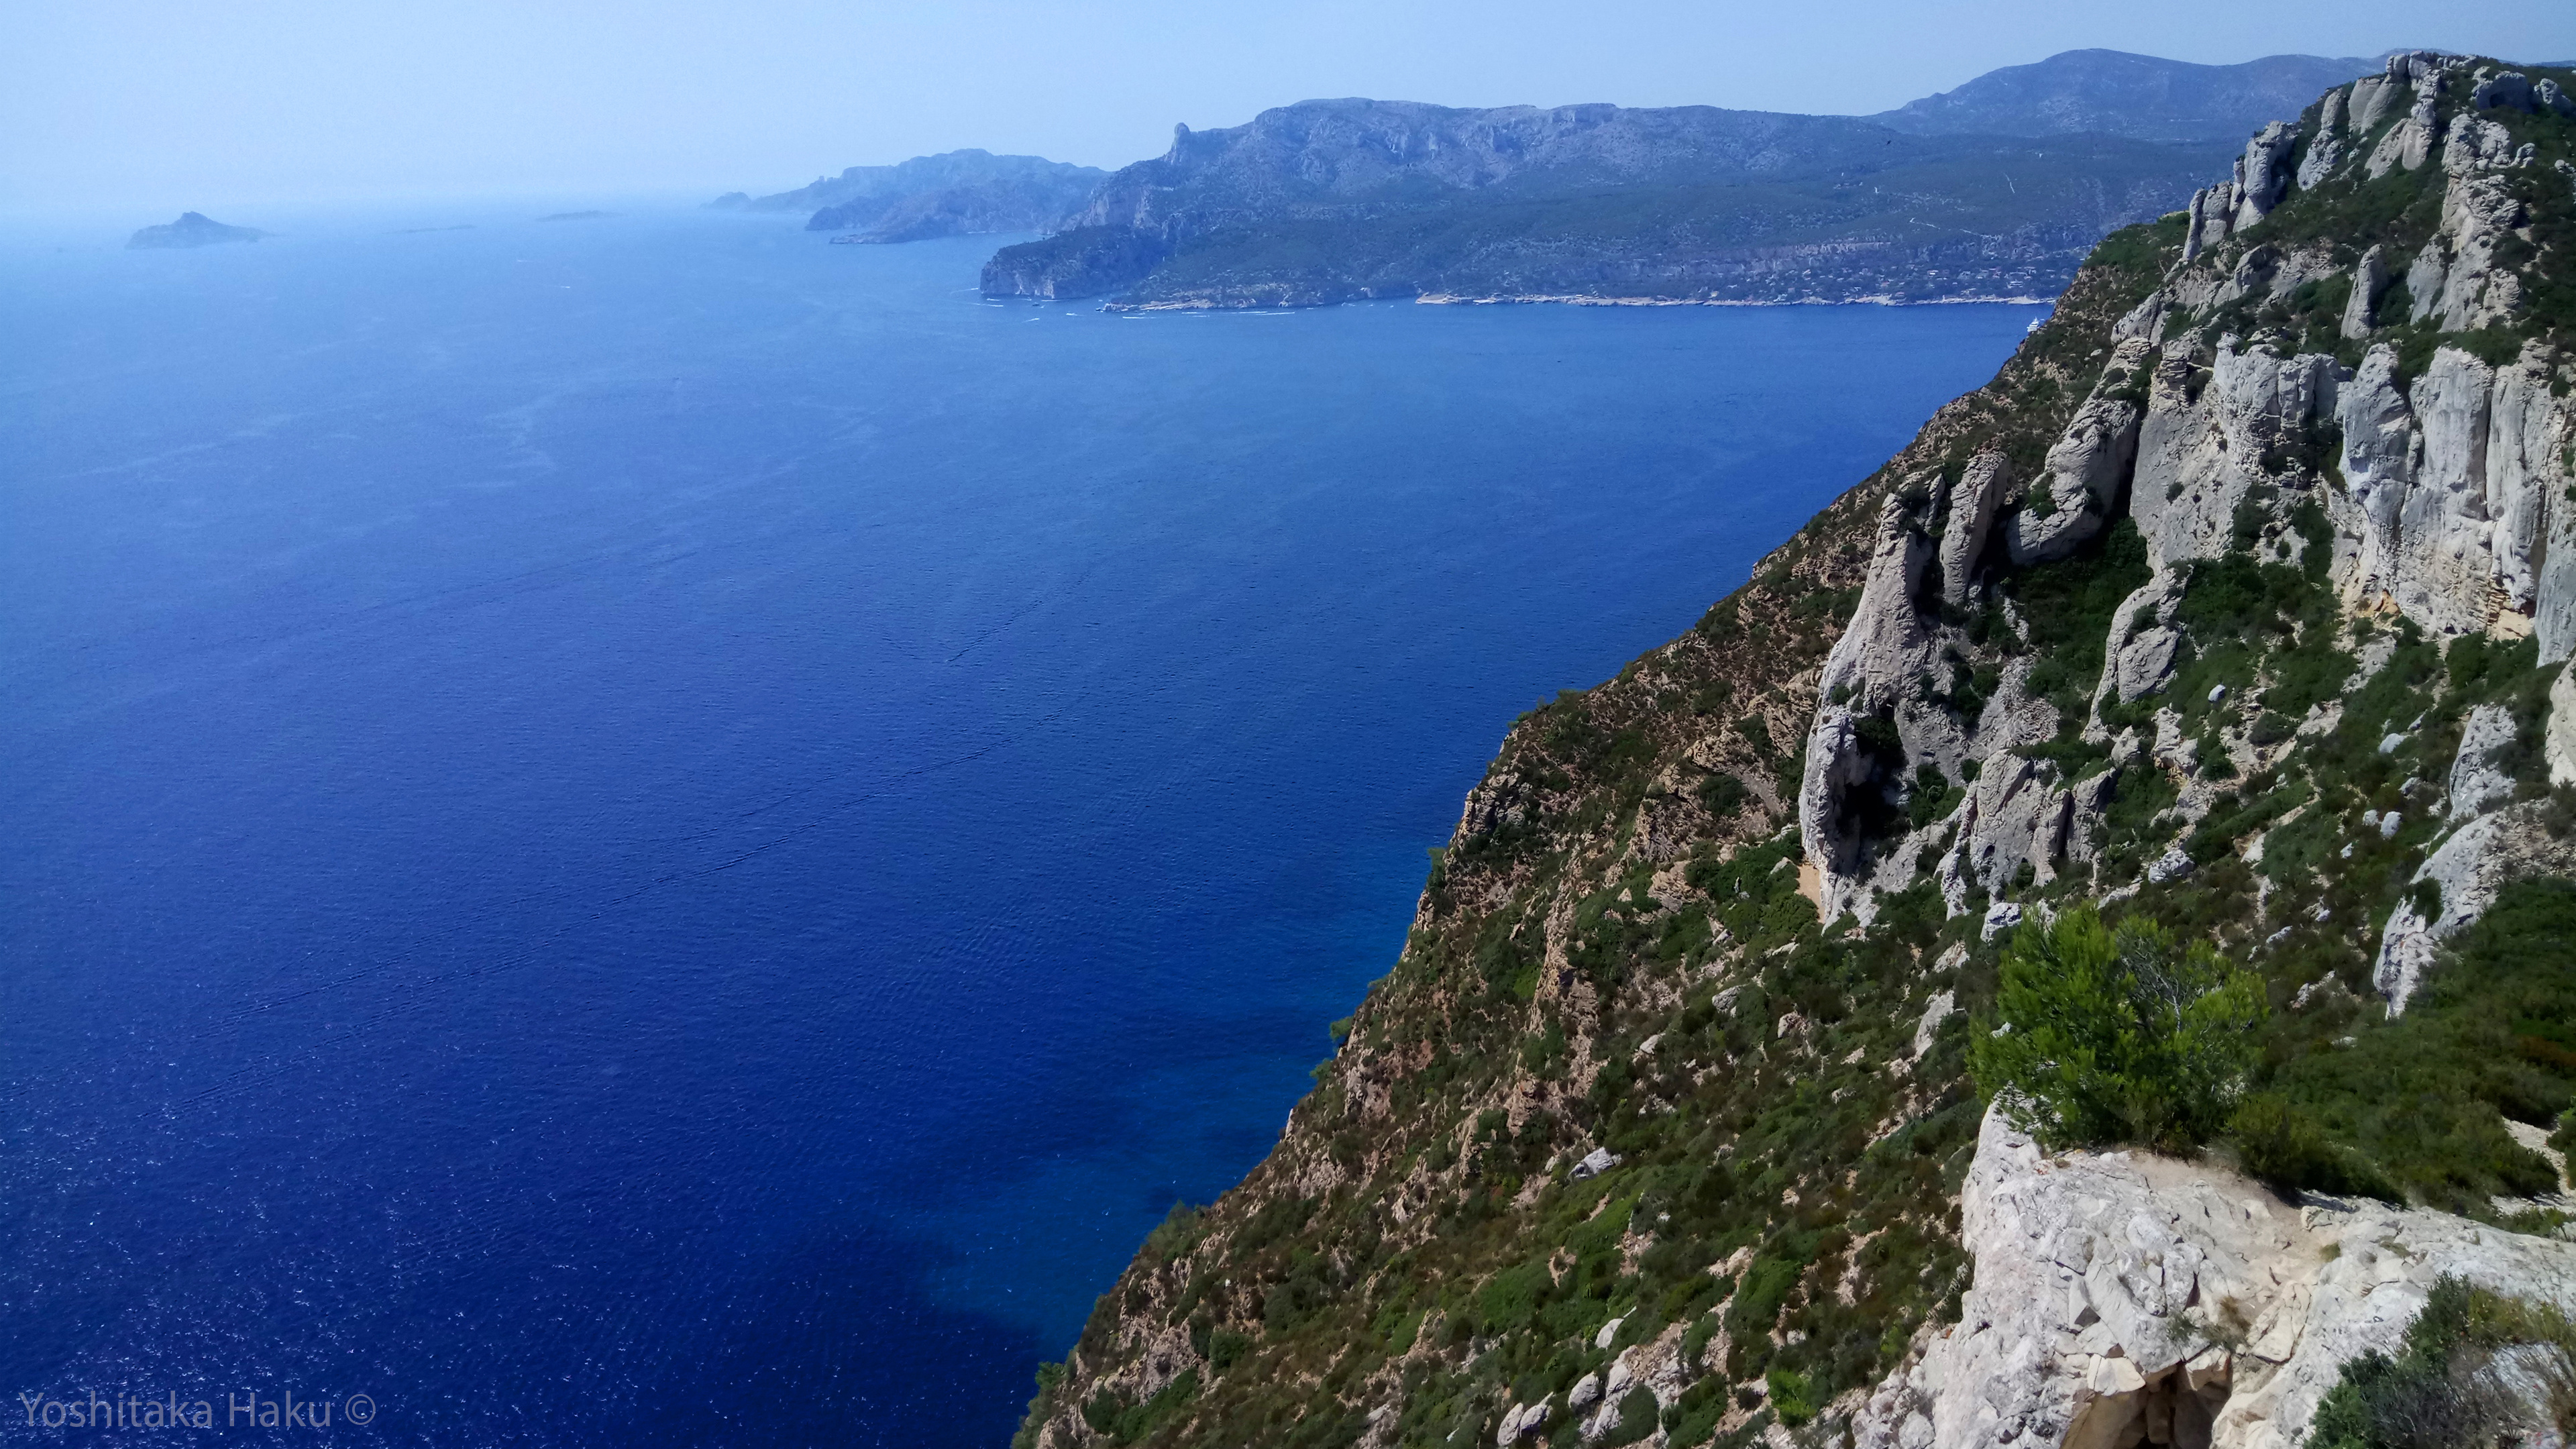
[2123,1297]
[2449,500]
[2369,279]
[2466,871]
[1971,518]
[2326,148]
[2455,488]
[2262,174]
[2087,467]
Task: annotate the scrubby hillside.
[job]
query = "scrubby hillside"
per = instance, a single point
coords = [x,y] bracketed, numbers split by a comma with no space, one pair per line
[2237,601]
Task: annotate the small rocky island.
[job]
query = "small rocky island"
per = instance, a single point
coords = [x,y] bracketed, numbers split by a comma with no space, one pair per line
[193,229]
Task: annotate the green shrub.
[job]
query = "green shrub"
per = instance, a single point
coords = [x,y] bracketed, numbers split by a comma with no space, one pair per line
[2490,1034]
[1637,1418]
[1722,795]
[2284,1146]
[2431,1395]
[1509,1300]
[2117,1037]
[1791,1398]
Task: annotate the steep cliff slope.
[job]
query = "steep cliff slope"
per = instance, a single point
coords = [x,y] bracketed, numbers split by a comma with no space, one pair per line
[1328,200]
[2238,600]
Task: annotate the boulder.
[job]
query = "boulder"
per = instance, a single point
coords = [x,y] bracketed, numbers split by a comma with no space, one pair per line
[1596,1162]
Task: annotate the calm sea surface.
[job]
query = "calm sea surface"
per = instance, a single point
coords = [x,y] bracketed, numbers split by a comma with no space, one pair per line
[648,831]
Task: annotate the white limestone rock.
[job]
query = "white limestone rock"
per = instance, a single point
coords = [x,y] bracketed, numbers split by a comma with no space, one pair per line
[2145,661]
[2456,498]
[2085,468]
[2198,457]
[2372,99]
[2266,171]
[1938,1010]
[2560,738]
[2477,785]
[2471,867]
[2479,212]
[2509,89]
[2095,1274]
[1972,515]
[1521,1422]
[2012,814]
[2327,149]
[1885,644]
[1596,1162]
[2369,279]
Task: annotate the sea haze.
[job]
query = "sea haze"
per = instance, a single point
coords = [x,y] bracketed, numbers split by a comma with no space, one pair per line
[649,830]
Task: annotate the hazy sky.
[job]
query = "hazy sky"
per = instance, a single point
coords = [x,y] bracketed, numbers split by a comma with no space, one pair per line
[165,104]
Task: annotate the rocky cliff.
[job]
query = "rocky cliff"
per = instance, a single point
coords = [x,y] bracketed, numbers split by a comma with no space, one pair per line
[1329,200]
[2239,600]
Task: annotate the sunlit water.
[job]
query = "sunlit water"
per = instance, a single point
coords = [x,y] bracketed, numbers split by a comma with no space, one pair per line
[652,831]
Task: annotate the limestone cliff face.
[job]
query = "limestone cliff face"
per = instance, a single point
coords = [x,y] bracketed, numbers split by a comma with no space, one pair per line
[2448,497]
[2242,597]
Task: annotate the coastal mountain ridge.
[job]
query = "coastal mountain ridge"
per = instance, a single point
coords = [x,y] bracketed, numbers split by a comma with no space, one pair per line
[957,193]
[1994,190]
[2118,93]
[1326,201]
[2206,668]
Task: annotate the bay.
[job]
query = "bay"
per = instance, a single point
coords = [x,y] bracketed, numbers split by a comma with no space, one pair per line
[647,830]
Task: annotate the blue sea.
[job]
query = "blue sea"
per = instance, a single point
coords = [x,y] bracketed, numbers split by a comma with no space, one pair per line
[650,831]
